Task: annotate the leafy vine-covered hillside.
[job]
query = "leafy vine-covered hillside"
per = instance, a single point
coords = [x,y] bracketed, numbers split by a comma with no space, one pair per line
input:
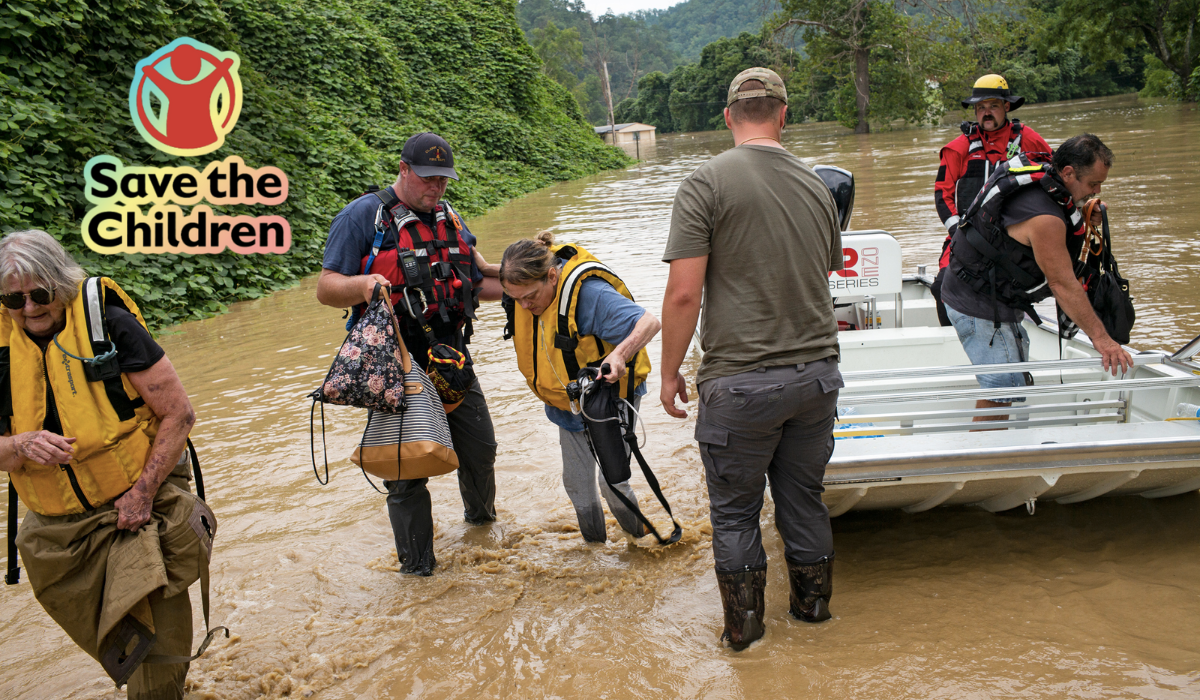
[332,90]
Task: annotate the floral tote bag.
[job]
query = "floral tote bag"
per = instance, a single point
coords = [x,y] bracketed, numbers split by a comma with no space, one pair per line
[407,434]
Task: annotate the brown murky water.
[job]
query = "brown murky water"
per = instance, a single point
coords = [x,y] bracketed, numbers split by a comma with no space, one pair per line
[1096,600]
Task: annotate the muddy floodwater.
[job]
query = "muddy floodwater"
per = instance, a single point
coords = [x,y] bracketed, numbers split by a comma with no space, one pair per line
[1095,600]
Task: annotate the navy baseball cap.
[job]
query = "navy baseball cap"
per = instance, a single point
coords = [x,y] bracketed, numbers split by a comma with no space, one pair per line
[429,156]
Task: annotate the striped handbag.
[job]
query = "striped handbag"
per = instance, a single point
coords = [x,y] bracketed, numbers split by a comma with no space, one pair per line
[414,443]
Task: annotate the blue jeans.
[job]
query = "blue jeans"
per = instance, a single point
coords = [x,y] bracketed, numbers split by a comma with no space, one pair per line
[987,345]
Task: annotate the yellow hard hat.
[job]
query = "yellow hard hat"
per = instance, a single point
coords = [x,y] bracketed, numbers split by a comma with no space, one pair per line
[993,87]
[991,80]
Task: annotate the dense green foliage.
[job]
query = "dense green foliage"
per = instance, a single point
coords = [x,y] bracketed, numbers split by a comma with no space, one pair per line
[878,61]
[333,89]
[692,97]
[1045,69]
[631,48]
[694,24]
[1110,30]
[945,44]
[883,63]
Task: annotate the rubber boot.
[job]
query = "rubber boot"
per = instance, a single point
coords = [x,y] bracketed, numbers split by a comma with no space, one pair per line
[812,587]
[742,595]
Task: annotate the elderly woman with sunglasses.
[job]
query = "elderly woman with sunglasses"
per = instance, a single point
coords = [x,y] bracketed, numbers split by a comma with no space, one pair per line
[94,421]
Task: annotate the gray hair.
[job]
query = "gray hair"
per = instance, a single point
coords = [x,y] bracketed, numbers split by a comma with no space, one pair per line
[36,255]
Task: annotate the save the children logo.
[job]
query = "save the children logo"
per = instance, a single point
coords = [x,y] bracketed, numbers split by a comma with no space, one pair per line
[199,95]
[184,100]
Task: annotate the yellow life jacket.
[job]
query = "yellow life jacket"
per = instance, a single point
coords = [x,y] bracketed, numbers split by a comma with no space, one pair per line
[550,350]
[96,405]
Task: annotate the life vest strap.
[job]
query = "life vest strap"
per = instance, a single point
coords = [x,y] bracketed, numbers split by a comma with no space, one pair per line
[989,251]
[565,341]
[109,370]
[13,575]
[630,437]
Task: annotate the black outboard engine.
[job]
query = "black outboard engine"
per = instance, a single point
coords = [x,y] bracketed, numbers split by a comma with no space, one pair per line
[841,185]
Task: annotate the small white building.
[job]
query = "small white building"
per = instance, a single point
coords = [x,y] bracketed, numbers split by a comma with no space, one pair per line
[627,134]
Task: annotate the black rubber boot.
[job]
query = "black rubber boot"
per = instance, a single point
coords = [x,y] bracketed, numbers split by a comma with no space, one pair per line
[742,595]
[812,587]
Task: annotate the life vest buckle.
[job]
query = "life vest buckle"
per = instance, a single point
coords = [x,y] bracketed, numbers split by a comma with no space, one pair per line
[380,220]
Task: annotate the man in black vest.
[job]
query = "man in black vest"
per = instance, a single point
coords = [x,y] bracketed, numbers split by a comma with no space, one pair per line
[991,333]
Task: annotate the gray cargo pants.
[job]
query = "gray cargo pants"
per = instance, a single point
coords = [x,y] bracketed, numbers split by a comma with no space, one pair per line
[775,421]
[582,476]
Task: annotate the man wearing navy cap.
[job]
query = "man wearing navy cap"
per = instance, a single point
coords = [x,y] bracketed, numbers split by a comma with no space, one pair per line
[452,281]
[967,161]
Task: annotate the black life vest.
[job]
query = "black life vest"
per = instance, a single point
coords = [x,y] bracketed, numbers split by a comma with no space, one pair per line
[430,270]
[1002,268]
[979,166]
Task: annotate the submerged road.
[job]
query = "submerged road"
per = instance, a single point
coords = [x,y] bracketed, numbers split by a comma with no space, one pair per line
[1096,600]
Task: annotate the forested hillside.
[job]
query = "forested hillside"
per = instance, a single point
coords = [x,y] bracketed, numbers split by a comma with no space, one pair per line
[878,61]
[333,89]
[574,45]
[694,24]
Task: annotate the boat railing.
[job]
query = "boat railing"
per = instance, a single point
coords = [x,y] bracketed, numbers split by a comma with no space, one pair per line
[860,413]
[1084,363]
[1186,353]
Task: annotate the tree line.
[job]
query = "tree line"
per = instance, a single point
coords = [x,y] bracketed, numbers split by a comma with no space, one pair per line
[576,47]
[864,62]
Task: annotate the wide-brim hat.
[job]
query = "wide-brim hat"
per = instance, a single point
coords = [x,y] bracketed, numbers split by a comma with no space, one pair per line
[993,87]
[429,156]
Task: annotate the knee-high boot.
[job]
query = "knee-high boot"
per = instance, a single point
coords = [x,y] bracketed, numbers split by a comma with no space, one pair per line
[742,595]
[812,587]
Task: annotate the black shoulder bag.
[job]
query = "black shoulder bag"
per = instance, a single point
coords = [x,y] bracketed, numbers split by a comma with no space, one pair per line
[1110,295]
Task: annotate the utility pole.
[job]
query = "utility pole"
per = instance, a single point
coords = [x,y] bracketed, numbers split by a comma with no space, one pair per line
[608,97]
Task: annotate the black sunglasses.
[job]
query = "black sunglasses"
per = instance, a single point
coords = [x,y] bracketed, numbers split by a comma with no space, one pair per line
[16,300]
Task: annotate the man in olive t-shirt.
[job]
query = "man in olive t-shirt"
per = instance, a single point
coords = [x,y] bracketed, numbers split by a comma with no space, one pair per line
[757,230]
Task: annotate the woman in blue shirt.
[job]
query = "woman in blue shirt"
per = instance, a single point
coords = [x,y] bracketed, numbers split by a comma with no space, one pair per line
[557,288]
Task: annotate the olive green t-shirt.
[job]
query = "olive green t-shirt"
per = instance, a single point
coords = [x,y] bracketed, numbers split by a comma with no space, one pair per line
[769,227]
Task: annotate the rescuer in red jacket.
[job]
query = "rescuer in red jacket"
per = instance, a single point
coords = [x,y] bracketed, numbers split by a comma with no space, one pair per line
[968,161]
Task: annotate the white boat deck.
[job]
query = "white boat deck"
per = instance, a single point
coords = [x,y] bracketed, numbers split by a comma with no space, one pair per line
[905,433]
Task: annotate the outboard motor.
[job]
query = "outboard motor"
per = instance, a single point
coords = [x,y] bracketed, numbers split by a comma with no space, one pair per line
[841,185]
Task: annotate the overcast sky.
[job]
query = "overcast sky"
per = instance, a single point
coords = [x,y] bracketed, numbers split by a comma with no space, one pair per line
[620,7]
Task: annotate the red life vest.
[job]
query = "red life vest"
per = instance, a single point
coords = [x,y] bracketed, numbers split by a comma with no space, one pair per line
[429,268]
[980,157]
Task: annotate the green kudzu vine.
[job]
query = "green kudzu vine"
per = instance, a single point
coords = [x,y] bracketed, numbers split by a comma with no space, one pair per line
[332,90]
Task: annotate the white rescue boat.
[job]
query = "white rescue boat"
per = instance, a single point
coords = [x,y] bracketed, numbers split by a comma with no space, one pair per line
[904,440]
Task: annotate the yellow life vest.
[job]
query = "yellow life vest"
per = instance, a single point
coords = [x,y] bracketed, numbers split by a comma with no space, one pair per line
[112,426]
[550,350]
